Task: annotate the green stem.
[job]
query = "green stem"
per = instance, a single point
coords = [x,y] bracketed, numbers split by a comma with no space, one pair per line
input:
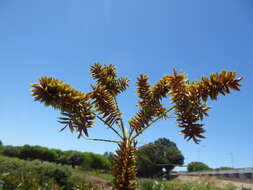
[121,120]
[152,122]
[101,119]
[104,140]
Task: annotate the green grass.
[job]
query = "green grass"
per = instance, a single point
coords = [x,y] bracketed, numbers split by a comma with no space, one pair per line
[100,174]
[150,184]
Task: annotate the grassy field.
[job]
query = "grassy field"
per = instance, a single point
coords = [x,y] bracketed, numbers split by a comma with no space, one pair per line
[148,184]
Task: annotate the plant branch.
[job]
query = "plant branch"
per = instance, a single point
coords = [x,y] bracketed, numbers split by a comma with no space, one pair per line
[121,120]
[101,119]
[152,122]
[104,140]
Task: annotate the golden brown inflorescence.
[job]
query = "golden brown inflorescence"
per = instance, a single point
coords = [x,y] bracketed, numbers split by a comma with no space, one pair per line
[80,109]
[104,93]
[124,169]
[75,106]
[189,99]
[149,103]
[106,76]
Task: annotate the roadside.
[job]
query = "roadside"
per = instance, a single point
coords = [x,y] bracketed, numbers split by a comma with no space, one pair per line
[217,182]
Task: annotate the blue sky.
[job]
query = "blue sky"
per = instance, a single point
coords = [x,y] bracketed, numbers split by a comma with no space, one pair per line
[61,38]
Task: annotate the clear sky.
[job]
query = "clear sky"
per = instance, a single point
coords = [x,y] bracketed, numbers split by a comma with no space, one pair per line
[61,38]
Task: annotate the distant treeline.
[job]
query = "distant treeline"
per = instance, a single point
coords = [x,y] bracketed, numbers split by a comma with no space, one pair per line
[200,166]
[84,160]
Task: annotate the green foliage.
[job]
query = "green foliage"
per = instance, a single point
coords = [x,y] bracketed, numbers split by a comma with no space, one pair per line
[85,160]
[18,174]
[153,157]
[10,151]
[176,185]
[1,143]
[149,184]
[36,152]
[225,168]
[100,162]
[76,159]
[110,156]
[197,166]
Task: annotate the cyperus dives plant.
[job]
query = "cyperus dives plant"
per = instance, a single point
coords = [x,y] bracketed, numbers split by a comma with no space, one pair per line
[79,109]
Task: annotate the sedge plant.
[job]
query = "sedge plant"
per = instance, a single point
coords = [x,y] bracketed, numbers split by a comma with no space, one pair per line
[79,110]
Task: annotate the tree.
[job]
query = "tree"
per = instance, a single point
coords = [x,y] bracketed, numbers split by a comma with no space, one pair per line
[100,162]
[11,151]
[76,159]
[79,110]
[224,168]
[197,166]
[154,157]
[1,143]
[110,156]
[88,159]
[37,152]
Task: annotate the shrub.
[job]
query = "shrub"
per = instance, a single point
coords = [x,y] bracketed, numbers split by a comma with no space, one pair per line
[10,151]
[197,166]
[100,162]
[16,173]
[87,161]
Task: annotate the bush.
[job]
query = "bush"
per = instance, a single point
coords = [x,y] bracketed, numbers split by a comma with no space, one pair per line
[100,162]
[10,151]
[36,152]
[197,166]
[16,173]
[86,160]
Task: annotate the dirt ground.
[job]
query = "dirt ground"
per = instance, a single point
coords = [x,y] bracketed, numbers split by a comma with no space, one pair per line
[216,181]
[103,184]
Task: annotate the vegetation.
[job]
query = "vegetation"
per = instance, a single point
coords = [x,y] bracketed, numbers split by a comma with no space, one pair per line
[84,160]
[225,168]
[154,157]
[149,184]
[197,166]
[18,174]
[79,110]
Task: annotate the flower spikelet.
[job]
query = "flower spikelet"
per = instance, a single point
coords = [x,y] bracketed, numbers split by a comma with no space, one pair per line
[189,108]
[105,76]
[150,106]
[190,99]
[105,104]
[217,83]
[73,104]
[125,166]
[161,88]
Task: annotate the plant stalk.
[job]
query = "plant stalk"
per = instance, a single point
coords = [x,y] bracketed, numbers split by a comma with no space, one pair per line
[152,122]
